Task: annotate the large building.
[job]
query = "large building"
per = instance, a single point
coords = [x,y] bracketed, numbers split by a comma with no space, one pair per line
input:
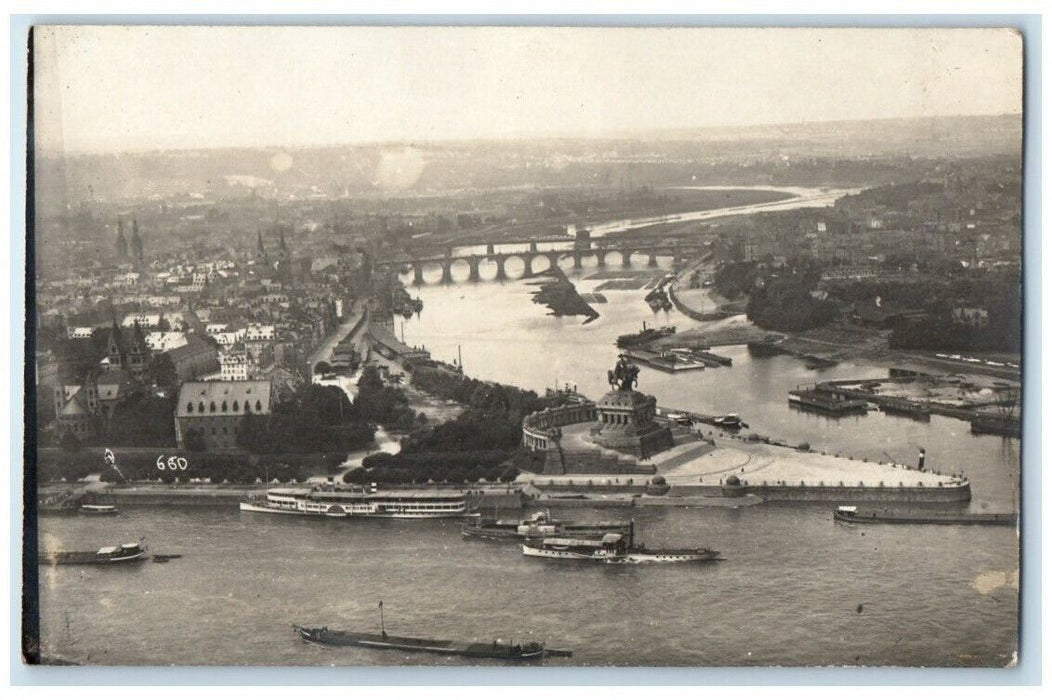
[195,358]
[215,411]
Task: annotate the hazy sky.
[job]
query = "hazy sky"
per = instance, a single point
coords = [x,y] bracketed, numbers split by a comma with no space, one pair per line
[132,88]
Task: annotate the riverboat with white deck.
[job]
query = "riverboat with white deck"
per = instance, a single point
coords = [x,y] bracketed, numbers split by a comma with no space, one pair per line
[613,548]
[360,503]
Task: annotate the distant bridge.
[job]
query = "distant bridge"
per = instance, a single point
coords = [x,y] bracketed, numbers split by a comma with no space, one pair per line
[578,252]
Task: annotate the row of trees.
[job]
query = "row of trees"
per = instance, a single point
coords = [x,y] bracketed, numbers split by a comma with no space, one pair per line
[481,443]
[384,404]
[141,465]
[785,303]
[312,419]
[319,418]
[488,396]
[436,467]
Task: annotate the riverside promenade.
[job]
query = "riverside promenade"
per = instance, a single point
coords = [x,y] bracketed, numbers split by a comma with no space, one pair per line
[723,465]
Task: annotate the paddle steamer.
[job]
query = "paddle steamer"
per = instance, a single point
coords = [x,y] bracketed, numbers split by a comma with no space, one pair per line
[346,503]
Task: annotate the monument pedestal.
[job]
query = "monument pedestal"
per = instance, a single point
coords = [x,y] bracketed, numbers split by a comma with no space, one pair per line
[625,423]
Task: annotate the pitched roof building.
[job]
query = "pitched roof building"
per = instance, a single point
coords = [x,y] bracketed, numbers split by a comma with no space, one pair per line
[214,411]
[198,356]
[126,349]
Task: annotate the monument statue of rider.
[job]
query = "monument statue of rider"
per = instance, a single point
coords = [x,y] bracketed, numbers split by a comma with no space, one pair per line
[624,375]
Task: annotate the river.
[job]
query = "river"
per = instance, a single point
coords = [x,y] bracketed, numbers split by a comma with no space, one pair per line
[794,588]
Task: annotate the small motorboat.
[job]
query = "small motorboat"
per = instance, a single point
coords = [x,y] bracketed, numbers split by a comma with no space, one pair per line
[118,554]
[98,509]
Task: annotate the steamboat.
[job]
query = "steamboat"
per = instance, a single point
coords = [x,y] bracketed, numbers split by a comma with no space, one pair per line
[613,548]
[540,525]
[630,340]
[362,503]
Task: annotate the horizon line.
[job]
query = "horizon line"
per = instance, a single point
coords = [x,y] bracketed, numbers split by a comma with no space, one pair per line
[410,142]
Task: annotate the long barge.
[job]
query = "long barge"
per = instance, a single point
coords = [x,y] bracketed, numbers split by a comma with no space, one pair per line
[528,651]
[345,503]
[851,514]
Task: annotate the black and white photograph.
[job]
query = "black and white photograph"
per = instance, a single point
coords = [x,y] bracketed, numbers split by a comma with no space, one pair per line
[523,346]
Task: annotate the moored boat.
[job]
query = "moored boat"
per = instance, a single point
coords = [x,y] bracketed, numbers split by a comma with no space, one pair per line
[355,503]
[65,503]
[119,554]
[851,514]
[527,651]
[540,524]
[98,509]
[613,548]
[827,400]
[731,421]
[644,336]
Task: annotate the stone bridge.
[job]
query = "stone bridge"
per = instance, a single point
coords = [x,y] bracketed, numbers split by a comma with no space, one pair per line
[618,252]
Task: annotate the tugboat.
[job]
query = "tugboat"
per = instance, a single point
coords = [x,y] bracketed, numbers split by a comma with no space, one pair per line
[119,554]
[613,548]
[631,340]
[539,525]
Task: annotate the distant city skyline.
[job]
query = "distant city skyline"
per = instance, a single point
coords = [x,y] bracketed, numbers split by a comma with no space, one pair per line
[100,89]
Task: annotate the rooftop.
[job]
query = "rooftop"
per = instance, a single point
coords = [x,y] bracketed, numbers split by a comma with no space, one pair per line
[223,393]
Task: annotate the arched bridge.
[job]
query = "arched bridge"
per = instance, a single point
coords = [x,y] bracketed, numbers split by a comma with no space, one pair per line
[617,252]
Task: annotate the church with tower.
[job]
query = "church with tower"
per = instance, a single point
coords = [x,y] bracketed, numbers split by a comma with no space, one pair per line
[280,268]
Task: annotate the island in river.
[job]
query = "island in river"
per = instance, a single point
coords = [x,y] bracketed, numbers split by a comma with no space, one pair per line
[561,296]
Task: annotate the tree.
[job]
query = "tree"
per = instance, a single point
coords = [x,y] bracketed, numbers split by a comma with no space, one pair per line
[69,441]
[322,367]
[314,418]
[143,420]
[162,371]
